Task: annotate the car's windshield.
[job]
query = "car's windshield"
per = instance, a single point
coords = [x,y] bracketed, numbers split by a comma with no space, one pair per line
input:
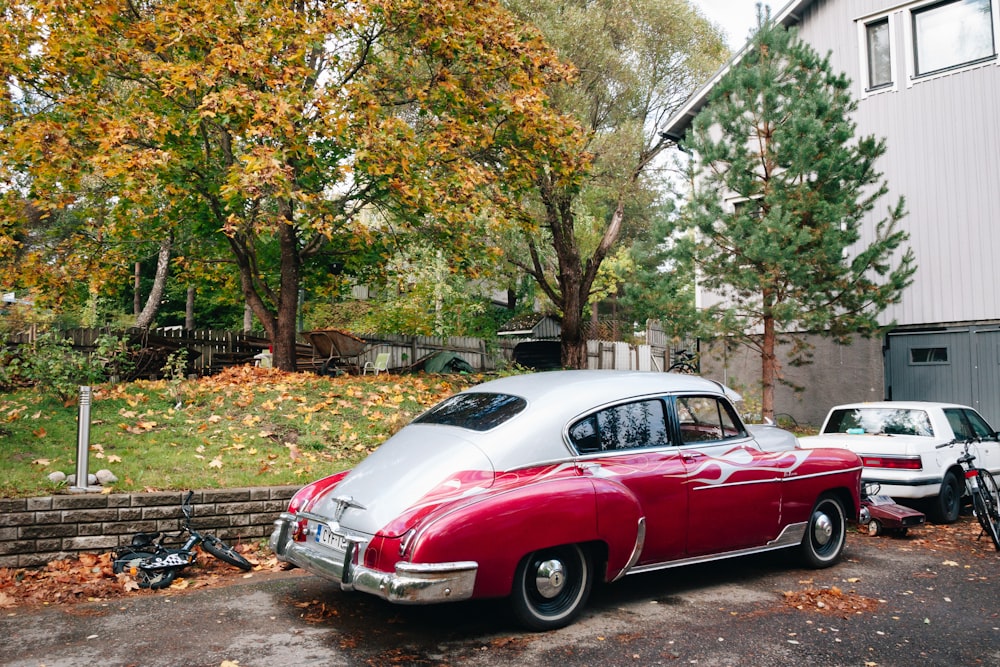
[475,411]
[887,421]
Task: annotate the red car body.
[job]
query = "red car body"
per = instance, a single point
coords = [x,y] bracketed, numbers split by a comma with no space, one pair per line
[533,486]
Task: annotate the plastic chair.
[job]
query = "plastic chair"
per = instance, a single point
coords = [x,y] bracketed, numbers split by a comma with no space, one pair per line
[381,363]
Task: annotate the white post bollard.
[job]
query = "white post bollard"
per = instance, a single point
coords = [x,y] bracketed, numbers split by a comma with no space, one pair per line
[83,444]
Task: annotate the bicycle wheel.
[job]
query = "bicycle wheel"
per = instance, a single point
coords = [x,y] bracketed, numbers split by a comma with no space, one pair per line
[987,503]
[226,553]
[155,579]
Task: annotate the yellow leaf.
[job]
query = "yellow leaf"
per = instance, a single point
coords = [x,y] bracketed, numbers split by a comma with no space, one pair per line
[114,458]
[216,462]
[41,462]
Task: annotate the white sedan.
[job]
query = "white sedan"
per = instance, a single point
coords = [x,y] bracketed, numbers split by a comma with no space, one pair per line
[899,443]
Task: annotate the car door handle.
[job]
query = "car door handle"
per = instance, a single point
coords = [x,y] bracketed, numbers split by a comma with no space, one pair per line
[690,457]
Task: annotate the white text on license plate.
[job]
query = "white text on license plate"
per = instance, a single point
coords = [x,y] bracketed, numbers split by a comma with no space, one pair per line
[328,538]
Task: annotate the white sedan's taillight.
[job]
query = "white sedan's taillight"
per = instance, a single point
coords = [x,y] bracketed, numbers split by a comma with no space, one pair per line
[892,462]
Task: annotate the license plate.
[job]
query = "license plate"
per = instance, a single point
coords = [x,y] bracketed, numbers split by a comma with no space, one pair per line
[328,538]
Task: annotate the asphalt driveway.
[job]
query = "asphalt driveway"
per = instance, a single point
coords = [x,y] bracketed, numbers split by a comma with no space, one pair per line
[922,600]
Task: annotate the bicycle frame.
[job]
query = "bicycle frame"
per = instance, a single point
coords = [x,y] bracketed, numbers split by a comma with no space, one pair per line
[148,553]
[984,502]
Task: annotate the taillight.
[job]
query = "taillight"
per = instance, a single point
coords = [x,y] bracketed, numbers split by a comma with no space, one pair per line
[892,462]
[304,496]
[300,530]
[971,474]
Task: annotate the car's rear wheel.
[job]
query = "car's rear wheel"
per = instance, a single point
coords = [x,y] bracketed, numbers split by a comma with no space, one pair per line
[551,586]
[945,508]
[826,533]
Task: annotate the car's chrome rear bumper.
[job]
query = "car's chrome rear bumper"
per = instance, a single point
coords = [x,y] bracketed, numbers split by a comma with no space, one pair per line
[411,583]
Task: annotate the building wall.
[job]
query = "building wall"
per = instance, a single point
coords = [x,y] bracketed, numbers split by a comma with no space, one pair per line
[838,374]
[943,138]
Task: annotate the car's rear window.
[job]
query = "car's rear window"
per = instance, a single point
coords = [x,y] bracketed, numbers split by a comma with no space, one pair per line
[475,411]
[883,421]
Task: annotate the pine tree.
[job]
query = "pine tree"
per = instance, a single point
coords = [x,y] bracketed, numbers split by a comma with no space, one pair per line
[801,250]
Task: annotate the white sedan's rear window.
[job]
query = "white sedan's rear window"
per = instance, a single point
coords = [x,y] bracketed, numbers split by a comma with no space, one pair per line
[475,411]
[879,421]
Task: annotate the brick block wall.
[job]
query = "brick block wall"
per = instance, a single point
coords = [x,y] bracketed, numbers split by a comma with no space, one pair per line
[34,531]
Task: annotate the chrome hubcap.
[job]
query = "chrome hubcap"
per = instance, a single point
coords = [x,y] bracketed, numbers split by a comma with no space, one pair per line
[550,577]
[822,528]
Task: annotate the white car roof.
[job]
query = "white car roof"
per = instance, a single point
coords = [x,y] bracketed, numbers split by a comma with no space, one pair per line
[900,405]
[556,397]
[598,386]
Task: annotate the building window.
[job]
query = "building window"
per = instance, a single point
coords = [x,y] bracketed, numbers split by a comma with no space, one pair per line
[923,356]
[879,54]
[951,34]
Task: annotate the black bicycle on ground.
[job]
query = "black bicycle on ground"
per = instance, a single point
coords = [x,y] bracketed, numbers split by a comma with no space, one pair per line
[982,487]
[154,565]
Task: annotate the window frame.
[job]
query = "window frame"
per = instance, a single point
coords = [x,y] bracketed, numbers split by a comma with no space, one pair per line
[864,57]
[915,77]
[945,362]
[886,21]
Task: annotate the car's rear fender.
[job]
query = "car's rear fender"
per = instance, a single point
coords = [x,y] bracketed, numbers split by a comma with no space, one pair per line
[498,530]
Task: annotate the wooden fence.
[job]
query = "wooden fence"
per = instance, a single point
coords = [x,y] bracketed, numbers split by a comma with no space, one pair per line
[211,350]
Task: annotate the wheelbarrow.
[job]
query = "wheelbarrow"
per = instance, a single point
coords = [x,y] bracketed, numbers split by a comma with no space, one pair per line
[336,352]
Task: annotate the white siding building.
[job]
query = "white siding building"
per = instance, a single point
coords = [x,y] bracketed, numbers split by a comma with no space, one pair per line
[927,79]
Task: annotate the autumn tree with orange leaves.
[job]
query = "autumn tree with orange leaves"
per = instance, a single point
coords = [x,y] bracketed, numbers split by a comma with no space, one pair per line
[274,128]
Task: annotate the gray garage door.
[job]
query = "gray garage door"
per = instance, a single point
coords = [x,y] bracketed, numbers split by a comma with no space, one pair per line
[956,365]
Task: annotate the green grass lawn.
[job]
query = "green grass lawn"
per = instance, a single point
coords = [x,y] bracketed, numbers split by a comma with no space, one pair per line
[244,427]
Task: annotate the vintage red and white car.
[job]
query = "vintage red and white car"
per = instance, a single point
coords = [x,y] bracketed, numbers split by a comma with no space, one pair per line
[533,486]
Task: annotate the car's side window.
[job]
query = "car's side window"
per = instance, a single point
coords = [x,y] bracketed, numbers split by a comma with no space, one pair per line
[627,426]
[979,425]
[958,425]
[705,419]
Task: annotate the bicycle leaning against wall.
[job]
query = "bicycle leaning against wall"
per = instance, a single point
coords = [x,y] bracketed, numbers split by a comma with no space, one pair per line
[154,565]
[982,487]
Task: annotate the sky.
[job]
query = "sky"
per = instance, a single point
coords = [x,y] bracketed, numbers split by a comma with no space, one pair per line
[735,17]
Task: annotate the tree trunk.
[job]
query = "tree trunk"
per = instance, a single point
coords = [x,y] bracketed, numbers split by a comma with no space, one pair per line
[573,342]
[145,318]
[137,290]
[247,318]
[768,370]
[189,309]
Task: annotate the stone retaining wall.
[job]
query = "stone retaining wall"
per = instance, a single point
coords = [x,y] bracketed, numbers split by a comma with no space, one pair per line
[34,531]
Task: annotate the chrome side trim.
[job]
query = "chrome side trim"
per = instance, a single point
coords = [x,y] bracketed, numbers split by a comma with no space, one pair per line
[640,542]
[791,536]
